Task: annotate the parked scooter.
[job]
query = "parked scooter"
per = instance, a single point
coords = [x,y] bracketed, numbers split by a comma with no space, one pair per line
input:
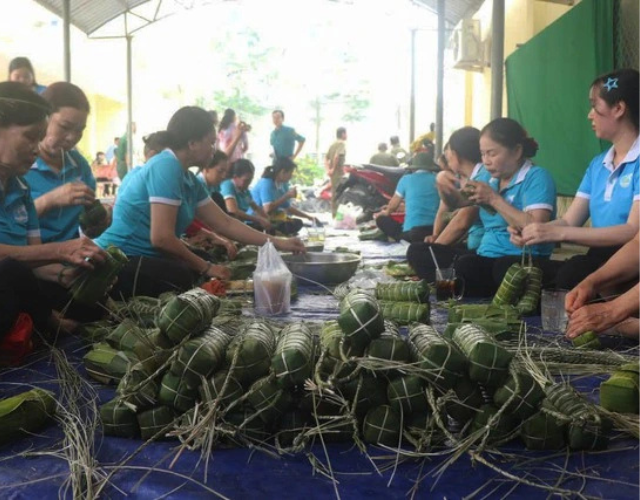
[368,186]
[372,186]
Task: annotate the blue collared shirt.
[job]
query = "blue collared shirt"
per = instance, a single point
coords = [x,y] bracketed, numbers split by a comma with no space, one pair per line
[60,224]
[268,191]
[530,188]
[611,191]
[421,198]
[18,217]
[210,189]
[243,198]
[161,180]
[283,141]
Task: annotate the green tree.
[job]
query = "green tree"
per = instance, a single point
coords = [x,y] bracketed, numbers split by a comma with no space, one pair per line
[307,172]
[249,68]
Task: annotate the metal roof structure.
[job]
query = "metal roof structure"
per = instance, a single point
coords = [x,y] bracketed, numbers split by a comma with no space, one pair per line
[123,18]
[455,10]
[109,18]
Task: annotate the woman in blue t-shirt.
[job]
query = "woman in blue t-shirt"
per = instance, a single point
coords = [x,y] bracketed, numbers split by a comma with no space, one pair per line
[61,180]
[462,154]
[237,197]
[420,196]
[516,194]
[156,205]
[23,257]
[213,175]
[273,194]
[610,190]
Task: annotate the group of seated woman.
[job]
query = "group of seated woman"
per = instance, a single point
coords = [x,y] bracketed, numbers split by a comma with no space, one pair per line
[46,184]
[505,206]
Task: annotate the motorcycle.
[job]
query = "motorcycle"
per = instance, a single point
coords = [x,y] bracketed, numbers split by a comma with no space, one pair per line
[368,186]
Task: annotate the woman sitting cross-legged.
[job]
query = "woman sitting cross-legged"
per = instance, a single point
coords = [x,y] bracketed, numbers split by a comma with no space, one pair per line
[609,193]
[518,193]
[154,209]
[273,194]
[238,199]
[420,195]
[446,242]
[26,263]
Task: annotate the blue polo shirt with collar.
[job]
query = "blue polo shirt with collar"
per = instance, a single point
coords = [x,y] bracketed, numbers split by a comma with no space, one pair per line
[267,191]
[210,189]
[611,191]
[476,231]
[18,217]
[283,141]
[60,224]
[243,198]
[531,188]
[421,198]
[161,180]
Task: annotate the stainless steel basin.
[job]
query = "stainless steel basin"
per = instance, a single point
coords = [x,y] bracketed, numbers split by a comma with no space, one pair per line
[324,268]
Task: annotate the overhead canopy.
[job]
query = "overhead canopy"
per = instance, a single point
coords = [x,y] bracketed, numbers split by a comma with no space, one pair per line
[107,17]
[455,10]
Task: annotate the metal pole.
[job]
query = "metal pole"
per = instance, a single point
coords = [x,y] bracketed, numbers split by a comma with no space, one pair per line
[440,79]
[66,18]
[129,103]
[412,103]
[497,58]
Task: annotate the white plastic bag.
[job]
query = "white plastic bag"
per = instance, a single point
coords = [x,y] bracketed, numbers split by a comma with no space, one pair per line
[346,216]
[271,282]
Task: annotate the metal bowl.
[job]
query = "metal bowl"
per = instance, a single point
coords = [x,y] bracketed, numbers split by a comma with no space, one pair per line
[324,268]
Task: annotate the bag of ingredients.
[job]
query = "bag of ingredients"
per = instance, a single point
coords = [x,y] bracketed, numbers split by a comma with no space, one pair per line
[271,282]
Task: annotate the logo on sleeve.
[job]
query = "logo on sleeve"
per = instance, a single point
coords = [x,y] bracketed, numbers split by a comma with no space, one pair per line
[20,214]
[625,180]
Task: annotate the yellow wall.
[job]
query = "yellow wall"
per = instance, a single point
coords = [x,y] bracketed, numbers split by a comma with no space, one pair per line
[523,20]
[106,121]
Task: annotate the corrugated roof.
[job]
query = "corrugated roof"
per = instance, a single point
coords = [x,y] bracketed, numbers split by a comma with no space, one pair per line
[91,15]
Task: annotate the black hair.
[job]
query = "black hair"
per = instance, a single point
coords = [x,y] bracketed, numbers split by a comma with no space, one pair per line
[432,127]
[394,140]
[278,111]
[218,157]
[22,62]
[340,131]
[66,95]
[227,119]
[382,146]
[241,167]
[510,134]
[620,85]
[157,141]
[286,164]
[189,123]
[465,142]
[21,106]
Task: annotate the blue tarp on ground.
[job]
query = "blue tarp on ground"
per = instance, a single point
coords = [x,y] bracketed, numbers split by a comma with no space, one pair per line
[247,474]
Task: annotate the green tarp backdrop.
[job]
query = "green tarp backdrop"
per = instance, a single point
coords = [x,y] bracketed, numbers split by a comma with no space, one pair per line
[548,81]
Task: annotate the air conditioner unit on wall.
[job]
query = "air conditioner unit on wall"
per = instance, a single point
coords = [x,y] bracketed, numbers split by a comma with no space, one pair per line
[467,46]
